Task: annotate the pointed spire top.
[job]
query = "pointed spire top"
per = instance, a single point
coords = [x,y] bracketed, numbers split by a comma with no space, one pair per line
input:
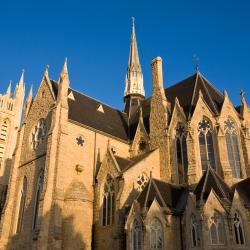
[30,92]
[9,88]
[21,81]
[64,72]
[242,96]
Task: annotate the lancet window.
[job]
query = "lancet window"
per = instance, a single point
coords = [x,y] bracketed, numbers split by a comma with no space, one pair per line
[206,144]
[181,153]
[217,229]
[108,210]
[40,182]
[238,230]
[156,235]
[21,207]
[233,147]
[195,231]
[137,235]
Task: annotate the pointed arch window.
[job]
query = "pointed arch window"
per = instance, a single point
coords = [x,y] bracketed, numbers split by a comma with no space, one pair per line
[217,229]
[108,210]
[206,144]
[181,153]
[37,200]
[238,230]
[21,207]
[195,238]
[233,148]
[137,235]
[156,235]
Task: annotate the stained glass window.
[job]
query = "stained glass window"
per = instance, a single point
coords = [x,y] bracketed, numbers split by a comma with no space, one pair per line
[238,230]
[233,148]
[137,235]
[21,207]
[37,201]
[156,235]
[217,229]
[206,144]
[181,153]
[108,210]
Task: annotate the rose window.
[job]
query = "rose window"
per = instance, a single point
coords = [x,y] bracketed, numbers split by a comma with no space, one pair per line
[141,182]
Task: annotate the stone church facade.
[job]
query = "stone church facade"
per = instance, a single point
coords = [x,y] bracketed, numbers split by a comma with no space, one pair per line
[169,172]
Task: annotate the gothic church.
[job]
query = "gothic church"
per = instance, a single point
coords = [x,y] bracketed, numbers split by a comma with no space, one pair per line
[170,172]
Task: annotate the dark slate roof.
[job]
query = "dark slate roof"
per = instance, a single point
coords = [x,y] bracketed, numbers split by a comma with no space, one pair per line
[243,187]
[125,163]
[84,110]
[211,180]
[167,195]
[187,91]
[115,122]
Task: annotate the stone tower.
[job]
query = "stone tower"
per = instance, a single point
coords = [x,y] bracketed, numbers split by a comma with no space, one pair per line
[134,90]
[11,106]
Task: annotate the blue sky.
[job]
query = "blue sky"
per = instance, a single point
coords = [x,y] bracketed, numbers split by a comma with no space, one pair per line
[95,37]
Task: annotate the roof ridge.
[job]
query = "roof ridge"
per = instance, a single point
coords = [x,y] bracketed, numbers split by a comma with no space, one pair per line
[209,96]
[211,85]
[193,95]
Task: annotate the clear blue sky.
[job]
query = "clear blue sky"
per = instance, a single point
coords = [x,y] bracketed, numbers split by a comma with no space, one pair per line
[95,36]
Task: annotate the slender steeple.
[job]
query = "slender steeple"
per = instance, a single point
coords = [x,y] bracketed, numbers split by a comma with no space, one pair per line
[8,92]
[134,89]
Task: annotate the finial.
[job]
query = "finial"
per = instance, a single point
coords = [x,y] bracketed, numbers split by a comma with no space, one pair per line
[9,88]
[21,81]
[242,94]
[197,62]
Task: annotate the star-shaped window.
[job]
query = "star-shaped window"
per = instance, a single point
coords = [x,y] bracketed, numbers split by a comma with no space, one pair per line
[80,141]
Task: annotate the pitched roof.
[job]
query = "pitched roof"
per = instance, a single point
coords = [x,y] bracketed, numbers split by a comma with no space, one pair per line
[166,194]
[125,163]
[243,187]
[211,180]
[187,91]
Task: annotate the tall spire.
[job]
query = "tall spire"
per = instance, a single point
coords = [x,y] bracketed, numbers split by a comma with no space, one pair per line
[134,76]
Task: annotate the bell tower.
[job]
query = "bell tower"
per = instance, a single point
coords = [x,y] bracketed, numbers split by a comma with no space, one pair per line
[134,92]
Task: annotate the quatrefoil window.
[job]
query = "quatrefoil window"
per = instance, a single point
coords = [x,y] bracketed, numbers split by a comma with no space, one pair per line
[38,134]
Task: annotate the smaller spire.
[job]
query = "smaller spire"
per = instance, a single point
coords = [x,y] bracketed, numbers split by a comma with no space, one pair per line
[8,92]
[46,72]
[242,96]
[28,101]
[21,81]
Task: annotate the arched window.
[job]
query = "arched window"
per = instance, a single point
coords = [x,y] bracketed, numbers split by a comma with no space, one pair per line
[181,153]
[156,235]
[217,229]
[3,138]
[108,210]
[195,238]
[37,201]
[137,235]
[233,148]
[206,144]
[238,230]
[21,207]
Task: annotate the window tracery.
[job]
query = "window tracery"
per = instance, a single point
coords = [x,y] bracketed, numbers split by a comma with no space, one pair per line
[217,229]
[141,181]
[108,210]
[137,235]
[156,234]
[38,134]
[233,147]
[194,231]
[238,230]
[181,152]
[206,144]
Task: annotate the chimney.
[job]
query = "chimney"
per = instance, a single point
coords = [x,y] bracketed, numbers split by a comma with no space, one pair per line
[157,75]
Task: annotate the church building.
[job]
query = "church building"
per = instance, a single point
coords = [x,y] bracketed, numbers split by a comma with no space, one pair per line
[169,172]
